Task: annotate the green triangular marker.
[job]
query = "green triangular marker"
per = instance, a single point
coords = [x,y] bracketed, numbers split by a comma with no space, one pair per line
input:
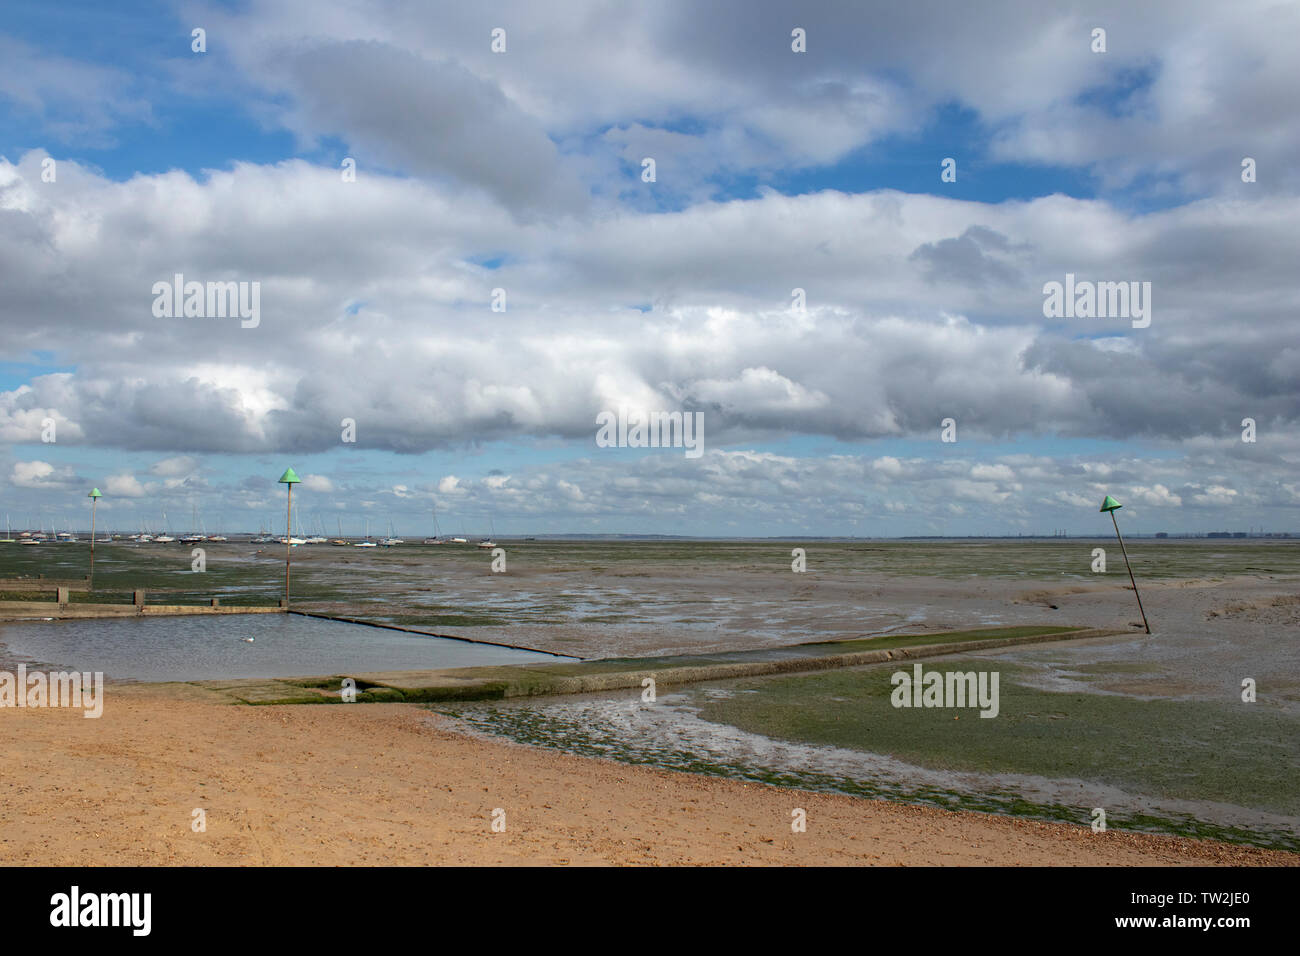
[1110,504]
[94,493]
[290,478]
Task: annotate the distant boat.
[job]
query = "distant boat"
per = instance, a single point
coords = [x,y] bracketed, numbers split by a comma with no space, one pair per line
[340,541]
[459,541]
[366,542]
[300,538]
[488,542]
[9,534]
[29,541]
[162,539]
[392,539]
[194,537]
[437,534]
[317,535]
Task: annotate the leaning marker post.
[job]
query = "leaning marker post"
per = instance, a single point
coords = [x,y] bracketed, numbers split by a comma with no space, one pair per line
[288,479]
[1111,505]
[94,497]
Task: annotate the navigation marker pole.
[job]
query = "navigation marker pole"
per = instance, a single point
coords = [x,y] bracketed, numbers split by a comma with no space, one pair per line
[1111,505]
[288,479]
[94,497]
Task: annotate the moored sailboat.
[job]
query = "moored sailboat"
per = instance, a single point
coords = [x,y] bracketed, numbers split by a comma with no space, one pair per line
[392,539]
[437,535]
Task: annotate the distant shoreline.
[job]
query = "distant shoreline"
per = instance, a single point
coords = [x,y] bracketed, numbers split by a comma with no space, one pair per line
[242,537]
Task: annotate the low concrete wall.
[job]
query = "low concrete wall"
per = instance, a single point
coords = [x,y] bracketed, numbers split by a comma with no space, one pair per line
[539,680]
[29,610]
[689,674]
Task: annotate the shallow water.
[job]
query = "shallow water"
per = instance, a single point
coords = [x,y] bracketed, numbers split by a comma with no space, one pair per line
[210,647]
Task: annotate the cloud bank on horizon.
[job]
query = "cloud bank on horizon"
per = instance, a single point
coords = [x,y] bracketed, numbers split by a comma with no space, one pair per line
[805,270]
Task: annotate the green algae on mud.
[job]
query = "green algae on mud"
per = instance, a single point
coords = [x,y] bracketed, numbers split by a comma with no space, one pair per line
[1222,770]
[889,641]
[1243,755]
[541,728]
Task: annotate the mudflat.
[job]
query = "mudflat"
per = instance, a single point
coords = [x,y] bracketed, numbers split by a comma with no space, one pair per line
[394,784]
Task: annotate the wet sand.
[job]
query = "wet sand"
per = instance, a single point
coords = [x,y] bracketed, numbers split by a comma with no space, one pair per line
[715,611]
[391,784]
[617,599]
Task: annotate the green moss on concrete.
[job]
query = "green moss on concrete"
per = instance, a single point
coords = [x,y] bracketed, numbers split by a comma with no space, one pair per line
[567,677]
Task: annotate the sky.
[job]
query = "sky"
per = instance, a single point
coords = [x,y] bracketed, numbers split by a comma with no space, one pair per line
[461,260]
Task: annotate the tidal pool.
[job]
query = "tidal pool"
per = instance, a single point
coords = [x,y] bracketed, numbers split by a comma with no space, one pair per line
[205,647]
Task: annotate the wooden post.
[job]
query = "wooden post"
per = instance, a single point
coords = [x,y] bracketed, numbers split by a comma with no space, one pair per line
[1130,572]
[288,544]
[290,479]
[93,503]
[94,497]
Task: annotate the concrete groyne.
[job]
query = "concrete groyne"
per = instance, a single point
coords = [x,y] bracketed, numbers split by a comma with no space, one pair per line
[581,677]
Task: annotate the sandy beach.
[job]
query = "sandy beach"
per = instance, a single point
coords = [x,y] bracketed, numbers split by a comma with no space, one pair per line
[393,784]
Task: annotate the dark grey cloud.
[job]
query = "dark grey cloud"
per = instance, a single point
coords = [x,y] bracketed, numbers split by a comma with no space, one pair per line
[427,117]
[977,257]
